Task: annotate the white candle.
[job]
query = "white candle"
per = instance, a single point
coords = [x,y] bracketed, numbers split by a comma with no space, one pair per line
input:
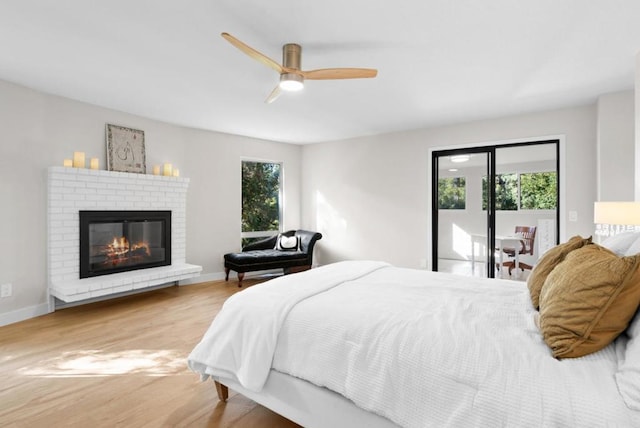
[168,169]
[156,170]
[176,172]
[68,163]
[95,164]
[78,159]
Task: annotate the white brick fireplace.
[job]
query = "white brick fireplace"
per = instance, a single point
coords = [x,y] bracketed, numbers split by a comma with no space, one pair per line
[71,190]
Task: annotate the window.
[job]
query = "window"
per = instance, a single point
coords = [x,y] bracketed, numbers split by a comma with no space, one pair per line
[452,193]
[526,191]
[506,192]
[261,194]
[538,191]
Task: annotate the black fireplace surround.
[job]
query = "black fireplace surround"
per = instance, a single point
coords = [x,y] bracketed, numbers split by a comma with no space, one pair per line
[120,241]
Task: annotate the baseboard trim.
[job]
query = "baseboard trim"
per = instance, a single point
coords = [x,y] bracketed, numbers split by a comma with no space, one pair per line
[207,277]
[23,314]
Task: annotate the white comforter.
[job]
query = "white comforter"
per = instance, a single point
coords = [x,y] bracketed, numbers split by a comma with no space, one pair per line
[423,349]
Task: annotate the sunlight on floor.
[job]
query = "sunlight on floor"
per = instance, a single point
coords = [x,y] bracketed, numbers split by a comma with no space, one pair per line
[95,363]
[461,242]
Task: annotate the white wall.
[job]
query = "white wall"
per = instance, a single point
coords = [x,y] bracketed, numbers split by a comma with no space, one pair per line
[615,143]
[369,196]
[40,130]
[636,116]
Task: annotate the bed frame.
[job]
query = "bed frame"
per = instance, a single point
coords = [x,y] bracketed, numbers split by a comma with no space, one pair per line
[305,403]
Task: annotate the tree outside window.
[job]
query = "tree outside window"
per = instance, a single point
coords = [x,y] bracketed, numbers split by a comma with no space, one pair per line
[506,192]
[538,191]
[260,200]
[452,193]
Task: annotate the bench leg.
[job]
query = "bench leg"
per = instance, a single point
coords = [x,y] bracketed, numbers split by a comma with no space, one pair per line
[226,273]
[240,277]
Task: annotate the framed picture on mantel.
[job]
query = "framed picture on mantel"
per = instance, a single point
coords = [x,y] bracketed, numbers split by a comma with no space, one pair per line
[125,149]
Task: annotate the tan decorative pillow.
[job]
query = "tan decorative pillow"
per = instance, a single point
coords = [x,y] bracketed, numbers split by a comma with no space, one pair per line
[547,262]
[588,300]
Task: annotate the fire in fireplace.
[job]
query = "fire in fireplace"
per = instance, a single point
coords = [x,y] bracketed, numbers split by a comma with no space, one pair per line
[119,241]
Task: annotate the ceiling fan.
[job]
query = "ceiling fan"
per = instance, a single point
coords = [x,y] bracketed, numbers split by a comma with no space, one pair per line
[291,76]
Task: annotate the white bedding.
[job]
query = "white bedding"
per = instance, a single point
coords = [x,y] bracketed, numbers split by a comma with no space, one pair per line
[420,348]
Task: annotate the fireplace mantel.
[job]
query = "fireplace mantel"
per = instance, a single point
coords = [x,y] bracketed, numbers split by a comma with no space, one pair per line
[71,190]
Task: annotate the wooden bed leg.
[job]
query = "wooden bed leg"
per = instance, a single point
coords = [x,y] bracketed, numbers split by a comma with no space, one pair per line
[240,276]
[222,390]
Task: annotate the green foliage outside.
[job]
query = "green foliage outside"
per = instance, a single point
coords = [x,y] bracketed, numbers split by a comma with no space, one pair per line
[538,191]
[506,192]
[260,196]
[452,193]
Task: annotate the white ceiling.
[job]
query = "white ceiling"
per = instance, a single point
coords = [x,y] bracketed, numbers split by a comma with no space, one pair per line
[440,62]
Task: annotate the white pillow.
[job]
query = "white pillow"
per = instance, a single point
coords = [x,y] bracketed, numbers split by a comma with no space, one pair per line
[287,243]
[621,242]
[628,374]
[634,248]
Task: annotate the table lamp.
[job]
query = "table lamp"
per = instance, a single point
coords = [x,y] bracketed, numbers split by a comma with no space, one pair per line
[612,218]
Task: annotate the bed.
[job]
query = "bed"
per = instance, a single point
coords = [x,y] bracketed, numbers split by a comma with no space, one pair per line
[364,343]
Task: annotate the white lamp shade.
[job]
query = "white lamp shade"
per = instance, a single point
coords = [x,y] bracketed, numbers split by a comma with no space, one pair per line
[623,213]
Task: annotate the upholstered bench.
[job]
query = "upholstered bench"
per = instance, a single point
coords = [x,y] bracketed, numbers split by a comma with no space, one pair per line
[291,251]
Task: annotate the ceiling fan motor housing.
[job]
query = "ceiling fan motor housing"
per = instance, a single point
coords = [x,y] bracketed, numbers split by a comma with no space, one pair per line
[291,54]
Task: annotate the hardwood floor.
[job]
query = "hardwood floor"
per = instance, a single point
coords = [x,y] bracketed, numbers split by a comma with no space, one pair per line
[120,363]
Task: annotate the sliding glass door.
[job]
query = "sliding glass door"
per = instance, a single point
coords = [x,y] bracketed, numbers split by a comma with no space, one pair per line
[526,206]
[495,209]
[461,229]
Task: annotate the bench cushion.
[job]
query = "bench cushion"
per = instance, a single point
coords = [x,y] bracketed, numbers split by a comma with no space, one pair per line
[264,259]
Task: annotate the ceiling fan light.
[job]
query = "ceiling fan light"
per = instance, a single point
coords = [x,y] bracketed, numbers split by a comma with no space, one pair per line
[460,158]
[291,82]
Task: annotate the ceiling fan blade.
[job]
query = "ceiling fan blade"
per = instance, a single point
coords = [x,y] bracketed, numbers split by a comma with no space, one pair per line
[253,53]
[339,73]
[273,95]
